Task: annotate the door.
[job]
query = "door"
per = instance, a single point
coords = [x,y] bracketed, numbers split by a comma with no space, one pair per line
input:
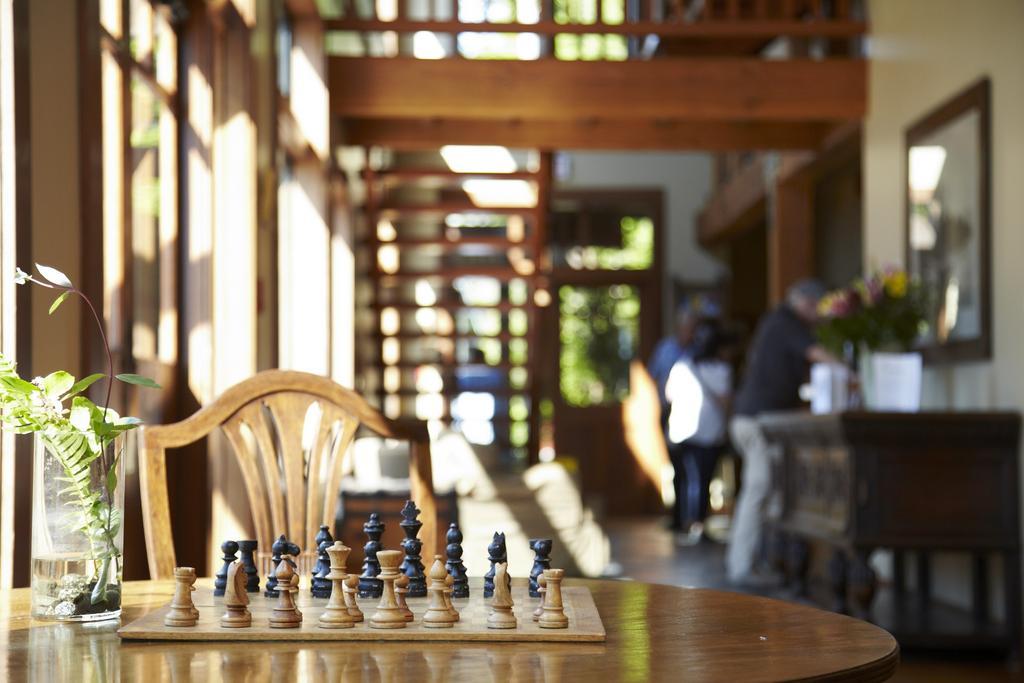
[603,320]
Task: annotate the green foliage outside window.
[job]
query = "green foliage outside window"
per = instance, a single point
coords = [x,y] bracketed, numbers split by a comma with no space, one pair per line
[598,332]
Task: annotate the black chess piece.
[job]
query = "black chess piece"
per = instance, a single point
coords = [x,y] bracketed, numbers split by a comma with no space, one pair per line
[322,586]
[412,565]
[282,546]
[541,560]
[454,565]
[252,574]
[497,554]
[220,583]
[323,563]
[369,585]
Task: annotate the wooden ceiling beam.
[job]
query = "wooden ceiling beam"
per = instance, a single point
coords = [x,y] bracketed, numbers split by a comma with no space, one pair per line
[713,89]
[586,134]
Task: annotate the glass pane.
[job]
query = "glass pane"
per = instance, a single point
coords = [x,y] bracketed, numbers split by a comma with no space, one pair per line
[602,241]
[598,329]
[140,35]
[145,218]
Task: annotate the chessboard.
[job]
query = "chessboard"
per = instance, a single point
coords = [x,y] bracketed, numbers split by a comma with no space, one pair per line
[584,621]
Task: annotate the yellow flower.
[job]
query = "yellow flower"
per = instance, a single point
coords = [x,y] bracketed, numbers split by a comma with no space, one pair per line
[896,284]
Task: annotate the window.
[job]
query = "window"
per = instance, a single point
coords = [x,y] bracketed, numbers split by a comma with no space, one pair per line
[138,79]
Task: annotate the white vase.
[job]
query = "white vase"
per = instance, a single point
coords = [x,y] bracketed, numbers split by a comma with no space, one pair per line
[891,381]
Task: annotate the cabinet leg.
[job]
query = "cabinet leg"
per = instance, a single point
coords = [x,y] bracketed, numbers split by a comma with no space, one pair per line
[1012,579]
[862,583]
[798,557]
[837,575]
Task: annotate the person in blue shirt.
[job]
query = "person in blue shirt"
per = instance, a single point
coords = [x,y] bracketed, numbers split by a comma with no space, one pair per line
[675,347]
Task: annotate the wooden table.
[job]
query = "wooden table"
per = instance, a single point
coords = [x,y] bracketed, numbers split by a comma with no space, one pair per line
[654,633]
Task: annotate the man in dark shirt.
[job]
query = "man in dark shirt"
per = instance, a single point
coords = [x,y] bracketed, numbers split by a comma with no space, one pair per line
[777,364]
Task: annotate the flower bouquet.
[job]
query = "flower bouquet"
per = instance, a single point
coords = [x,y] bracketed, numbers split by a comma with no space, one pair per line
[878,318]
[78,465]
[882,312]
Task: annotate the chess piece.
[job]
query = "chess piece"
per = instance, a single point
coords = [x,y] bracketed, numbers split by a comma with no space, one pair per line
[321,585]
[449,582]
[541,548]
[438,614]
[554,612]
[542,589]
[456,569]
[401,589]
[336,614]
[236,598]
[349,593]
[412,566]
[220,582]
[247,550]
[285,615]
[282,548]
[183,612]
[495,554]
[276,550]
[369,585]
[388,614]
[501,615]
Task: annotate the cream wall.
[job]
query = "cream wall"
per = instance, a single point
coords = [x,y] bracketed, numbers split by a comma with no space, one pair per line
[922,53]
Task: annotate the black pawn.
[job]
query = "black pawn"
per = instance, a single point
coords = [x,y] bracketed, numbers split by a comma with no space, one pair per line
[220,583]
[322,586]
[252,574]
[541,548]
[276,551]
[412,565]
[454,565]
[496,554]
[322,566]
[369,585]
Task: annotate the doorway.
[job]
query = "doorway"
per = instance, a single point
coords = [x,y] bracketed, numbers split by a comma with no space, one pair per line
[604,318]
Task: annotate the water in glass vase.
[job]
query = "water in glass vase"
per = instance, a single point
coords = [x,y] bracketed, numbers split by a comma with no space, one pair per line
[62,589]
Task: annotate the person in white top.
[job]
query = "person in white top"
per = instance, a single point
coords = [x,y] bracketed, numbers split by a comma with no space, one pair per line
[699,393]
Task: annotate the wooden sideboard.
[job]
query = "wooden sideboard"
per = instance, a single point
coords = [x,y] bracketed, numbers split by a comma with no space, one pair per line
[913,483]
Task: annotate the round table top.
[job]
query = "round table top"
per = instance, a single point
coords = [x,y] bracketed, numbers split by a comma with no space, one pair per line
[654,633]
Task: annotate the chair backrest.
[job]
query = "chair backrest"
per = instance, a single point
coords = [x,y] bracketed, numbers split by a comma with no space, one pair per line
[292,467]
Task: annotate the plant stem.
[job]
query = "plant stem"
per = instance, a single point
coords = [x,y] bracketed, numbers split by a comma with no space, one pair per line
[106,347]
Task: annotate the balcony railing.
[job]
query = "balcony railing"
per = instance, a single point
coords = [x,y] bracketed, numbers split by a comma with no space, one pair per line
[596,29]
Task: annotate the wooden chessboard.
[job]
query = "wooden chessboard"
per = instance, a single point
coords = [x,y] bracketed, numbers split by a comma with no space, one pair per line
[584,621]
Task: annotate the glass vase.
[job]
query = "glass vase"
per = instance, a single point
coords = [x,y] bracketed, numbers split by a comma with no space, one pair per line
[77,534]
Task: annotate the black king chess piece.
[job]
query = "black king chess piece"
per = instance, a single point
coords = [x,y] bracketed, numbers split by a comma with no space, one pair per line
[496,554]
[412,566]
[282,546]
[541,548]
[454,565]
[369,585]
[252,574]
[220,583]
[319,584]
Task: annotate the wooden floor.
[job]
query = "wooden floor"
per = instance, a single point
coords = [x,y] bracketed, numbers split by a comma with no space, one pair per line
[646,551]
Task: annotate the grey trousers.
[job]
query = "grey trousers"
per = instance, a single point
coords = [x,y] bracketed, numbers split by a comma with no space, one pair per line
[753,499]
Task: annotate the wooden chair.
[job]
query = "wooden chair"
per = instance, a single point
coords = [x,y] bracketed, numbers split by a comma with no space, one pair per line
[292,489]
